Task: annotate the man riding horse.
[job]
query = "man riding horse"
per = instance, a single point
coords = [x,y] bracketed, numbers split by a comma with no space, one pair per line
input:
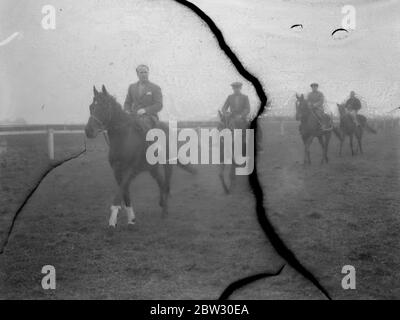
[144,99]
[316,102]
[233,116]
[237,106]
[353,105]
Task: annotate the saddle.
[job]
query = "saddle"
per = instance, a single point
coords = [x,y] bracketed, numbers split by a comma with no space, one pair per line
[146,122]
[324,119]
[355,119]
[235,122]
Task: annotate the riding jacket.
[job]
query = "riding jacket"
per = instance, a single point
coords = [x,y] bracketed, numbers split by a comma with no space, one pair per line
[353,104]
[238,104]
[316,99]
[147,96]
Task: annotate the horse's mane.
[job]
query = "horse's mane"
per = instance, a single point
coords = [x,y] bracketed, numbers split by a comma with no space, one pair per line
[113,101]
[121,115]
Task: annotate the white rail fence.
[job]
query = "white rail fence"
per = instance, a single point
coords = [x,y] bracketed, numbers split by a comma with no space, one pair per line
[51,130]
[50,137]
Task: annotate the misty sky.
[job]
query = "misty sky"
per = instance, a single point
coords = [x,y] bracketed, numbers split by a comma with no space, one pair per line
[101,41]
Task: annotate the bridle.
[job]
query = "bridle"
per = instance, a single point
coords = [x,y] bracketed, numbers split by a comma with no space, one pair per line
[301,104]
[103,126]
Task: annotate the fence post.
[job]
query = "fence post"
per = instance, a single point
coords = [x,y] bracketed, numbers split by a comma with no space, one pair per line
[50,143]
[3,146]
[282,127]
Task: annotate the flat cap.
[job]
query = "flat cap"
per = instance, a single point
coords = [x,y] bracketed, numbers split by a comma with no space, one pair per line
[314,84]
[236,84]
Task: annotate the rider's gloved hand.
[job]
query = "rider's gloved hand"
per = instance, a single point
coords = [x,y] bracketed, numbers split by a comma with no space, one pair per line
[141,111]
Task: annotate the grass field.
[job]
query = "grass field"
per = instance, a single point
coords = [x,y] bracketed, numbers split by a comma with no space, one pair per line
[342,213]
[23,161]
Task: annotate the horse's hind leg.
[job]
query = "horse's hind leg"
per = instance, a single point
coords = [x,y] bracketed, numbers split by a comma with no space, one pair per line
[322,143]
[221,177]
[359,140]
[155,173]
[326,143]
[168,174]
[232,177]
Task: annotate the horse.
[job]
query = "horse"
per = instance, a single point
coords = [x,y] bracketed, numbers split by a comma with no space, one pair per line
[226,121]
[350,129]
[127,152]
[310,127]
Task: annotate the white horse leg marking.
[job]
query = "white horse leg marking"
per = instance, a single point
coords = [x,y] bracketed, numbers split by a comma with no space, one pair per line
[114,214]
[130,214]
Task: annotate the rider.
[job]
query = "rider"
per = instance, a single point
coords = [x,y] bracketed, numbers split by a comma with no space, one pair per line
[352,105]
[237,103]
[144,98]
[316,101]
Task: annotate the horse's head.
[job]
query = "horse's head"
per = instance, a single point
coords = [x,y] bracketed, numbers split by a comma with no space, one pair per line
[341,108]
[101,111]
[301,106]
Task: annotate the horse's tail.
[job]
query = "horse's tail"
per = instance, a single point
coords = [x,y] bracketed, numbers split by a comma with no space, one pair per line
[364,123]
[187,167]
[168,172]
[368,128]
[337,133]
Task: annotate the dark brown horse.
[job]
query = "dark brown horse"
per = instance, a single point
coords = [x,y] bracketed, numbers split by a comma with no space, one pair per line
[227,122]
[127,152]
[310,127]
[349,128]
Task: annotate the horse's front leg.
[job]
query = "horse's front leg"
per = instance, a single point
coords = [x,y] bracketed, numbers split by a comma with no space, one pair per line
[307,143]
[341,146]
[126,198]
[351,144]
[359,140]
[116,204]
[326,145]
[123,177]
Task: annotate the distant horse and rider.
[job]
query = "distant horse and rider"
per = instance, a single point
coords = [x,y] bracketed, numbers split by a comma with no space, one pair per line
[233,116]
[314,122]
[352,123]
